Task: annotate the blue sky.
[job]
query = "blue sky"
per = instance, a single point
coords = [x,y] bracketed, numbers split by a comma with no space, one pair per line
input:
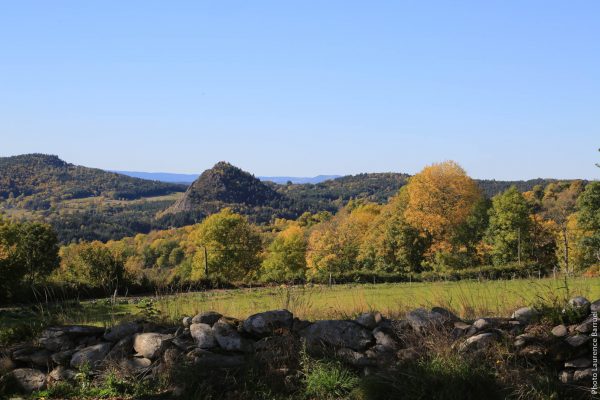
[509,89]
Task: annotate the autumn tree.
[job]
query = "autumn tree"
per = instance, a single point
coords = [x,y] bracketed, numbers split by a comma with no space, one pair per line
[285,258]
[559,203]
[588,220]
[509,229]
[232,246]
[440,200]
[334,246]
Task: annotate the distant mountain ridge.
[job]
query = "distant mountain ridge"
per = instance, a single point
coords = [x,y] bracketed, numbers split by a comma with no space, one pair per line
[189,178]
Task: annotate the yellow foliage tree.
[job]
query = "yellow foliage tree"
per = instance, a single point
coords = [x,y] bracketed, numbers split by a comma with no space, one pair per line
[440,199]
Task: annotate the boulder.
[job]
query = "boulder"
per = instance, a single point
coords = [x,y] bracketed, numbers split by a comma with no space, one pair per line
[29,380]
[369,320]
[150,345]
[560,331]
[337,334]
[525,315]
[229,338]
[122,330]
[61,373]
[266,323]
[33,355]
[581,362]
[421,319]
[577,340]
[63,357]
[580,305]
[55,339]
[208,317]
[481,324]
[187,321]
[203,336]
[91,355]
[478,342]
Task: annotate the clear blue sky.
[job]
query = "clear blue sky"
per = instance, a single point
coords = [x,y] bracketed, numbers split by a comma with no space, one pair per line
[509,89]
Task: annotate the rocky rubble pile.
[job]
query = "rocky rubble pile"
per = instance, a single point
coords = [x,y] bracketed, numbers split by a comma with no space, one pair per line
[371,341]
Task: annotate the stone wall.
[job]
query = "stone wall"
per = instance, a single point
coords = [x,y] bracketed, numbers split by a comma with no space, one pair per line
[371,341]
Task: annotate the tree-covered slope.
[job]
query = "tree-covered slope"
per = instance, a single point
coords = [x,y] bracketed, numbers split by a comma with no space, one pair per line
[39,180]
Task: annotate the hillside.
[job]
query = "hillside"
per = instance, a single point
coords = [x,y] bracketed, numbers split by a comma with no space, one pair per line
[36,181]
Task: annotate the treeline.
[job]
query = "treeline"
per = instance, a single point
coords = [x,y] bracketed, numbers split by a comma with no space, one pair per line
[439,225]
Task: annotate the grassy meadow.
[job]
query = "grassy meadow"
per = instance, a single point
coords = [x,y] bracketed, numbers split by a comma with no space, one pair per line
[468,299]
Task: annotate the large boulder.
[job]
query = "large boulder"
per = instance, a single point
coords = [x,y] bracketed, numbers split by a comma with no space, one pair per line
[122,330]
[266,323]
[525,314]
[91,355]
[150,345]
[421,319]
[337,334]
[229,338]
[203,336]
[207,317]
[29,380]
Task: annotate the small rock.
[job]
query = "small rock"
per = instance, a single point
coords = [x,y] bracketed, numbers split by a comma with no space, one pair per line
[583,375]
[61,373]
[460,329]
[421,319]
[580,302]
[369,320]
[63,357]
[229,338]
[187,321]
[577,340]
[266,323]
[481,324]
[525,315]
[92,355]
[384,337]
[150,345]
[203,336]
[136,364]
[566,376]
[122,330]
[478,342]
[533,351]
[337,334]
[208,317]
[29,380]
[560,331]
[582,362]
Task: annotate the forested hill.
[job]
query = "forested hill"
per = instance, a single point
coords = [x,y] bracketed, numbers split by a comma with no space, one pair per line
[38,180]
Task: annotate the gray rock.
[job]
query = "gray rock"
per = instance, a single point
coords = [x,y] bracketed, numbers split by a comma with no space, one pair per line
[92,356]
[369,320]
[481,324]
[123,348]
[581,362]
[577,340]
[560,331]
[565,376]
[81,330]
[33,355]
[63,357]
[122,330]
[208,317]
[421,319]
[29,380]
[384,337]
[522,340]
[265,323]
[447,314]
[187,321]
[460,329]
[61,373]
[337,334]
[533,351]
[203,335]
[586,326]
[595,306]
[525,315]
[209,360]
[136,364]
[580,302]
[478,342]
[583,375]
[150,345]
[355,358]
[55,339]
[229,338]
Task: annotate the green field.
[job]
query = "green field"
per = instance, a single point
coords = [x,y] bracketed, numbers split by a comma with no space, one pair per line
[468,299]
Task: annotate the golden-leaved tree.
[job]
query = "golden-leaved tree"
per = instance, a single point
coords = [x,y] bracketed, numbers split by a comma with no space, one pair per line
[285,258]
[440,199]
